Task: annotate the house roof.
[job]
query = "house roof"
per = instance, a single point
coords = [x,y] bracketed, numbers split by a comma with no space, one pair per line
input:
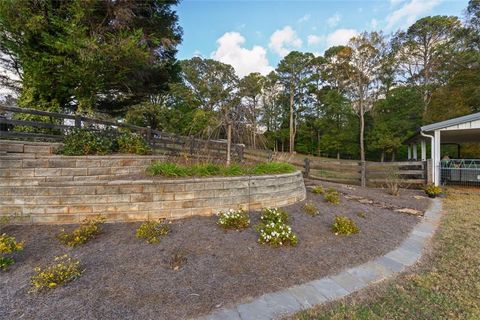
[451,122]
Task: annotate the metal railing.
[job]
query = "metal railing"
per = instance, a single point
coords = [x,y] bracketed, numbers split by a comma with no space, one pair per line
[465,172]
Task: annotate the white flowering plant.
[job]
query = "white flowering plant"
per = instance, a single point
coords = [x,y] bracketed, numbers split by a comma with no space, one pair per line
[274,215]
[276,234]
[233,219]
[273,228]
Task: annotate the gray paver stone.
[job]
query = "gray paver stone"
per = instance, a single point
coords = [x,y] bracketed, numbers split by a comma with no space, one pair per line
[307,295]
[329,288]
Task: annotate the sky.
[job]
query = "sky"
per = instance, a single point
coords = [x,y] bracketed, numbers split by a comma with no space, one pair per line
[254,35]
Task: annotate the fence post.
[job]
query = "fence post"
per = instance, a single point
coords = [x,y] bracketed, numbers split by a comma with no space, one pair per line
[78,121]
[149,135]
[192,144]
[270,156]
[363,172]
[306,173]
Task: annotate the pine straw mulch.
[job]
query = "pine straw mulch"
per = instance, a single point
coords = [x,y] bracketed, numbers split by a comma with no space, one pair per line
[198,267]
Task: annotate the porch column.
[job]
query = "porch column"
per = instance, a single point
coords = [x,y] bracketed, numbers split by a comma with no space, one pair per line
[423,146]
[415,155]
[436,158]
[409,151]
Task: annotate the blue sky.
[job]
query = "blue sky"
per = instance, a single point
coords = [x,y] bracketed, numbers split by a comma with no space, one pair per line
[255,35]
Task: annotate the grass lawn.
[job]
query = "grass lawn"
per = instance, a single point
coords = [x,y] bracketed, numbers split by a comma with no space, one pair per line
[446,284]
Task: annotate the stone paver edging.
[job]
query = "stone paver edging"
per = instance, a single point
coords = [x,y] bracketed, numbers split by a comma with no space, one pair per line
[277,304]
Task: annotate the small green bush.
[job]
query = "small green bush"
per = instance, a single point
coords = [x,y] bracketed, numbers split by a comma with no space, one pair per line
[318,190]
[311,209]
[362,214]
[432,190]
[344,225]
[132,143]
[274,215]
[63,270]
[167,169]
[89,229]
[8,245]
[233,219]
[151,231]
[271,168]
[332,197]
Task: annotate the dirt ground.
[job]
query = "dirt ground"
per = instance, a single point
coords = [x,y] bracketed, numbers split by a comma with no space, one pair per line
[126,278]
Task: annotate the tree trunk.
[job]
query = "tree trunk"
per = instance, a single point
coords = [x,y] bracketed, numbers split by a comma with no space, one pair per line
[292,137]
[254,123]
[338,154]
[229,142]
[393,155]
[362,146]
[382,157]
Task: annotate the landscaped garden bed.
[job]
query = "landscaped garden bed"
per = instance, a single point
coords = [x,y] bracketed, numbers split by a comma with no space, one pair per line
[198,266]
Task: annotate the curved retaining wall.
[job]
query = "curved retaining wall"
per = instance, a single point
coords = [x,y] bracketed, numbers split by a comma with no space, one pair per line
[143,199]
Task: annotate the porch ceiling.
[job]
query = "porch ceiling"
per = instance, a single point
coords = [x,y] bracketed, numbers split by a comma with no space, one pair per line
[460,136]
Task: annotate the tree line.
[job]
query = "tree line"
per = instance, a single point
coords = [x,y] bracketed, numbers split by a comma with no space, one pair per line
[360,100]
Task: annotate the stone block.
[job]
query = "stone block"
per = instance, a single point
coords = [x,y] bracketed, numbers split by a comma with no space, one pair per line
[307,296]
[16,173]
[98,171]
[173,187]
[349,282]
[7,163]
[73,171]
[141,197]
[62,163]
[163,197]
[329,288]
[43,172]
[90,163]
[180,213]
[184,196]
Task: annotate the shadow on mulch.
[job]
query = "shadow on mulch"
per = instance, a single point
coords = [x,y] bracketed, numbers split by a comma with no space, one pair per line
[126,278]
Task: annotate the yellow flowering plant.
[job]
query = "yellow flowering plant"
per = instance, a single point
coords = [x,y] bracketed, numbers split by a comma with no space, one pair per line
[89,229]
[63,270]
[8,245]
[151,231]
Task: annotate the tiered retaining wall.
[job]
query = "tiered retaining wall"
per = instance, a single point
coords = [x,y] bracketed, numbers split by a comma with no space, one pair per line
[39,188]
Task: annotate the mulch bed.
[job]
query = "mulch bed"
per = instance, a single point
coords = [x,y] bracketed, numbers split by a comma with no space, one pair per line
[126,278]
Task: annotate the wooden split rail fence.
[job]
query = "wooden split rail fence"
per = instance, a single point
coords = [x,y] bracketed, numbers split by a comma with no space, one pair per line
[56,125]
[407,173]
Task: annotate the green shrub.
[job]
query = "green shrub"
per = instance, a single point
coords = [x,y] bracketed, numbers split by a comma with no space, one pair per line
[132,143]
[344,225]
[89,229]
[63,270]
[8,245]
[318,190]
[311,209]
[271,168]
[169,169]
[332,197]
[274,215]
[151,231]
[80,142]
[233,219]
[432,190]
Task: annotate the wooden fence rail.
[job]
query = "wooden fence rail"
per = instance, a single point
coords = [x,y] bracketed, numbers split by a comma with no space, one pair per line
[58,124]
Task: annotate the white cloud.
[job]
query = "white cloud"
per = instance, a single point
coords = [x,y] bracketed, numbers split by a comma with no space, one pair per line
[395,2]
[314,40]
[374,23]
[340,37]
[305,18]
[284,40]
[243,60]
[409,12]
[334,20]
